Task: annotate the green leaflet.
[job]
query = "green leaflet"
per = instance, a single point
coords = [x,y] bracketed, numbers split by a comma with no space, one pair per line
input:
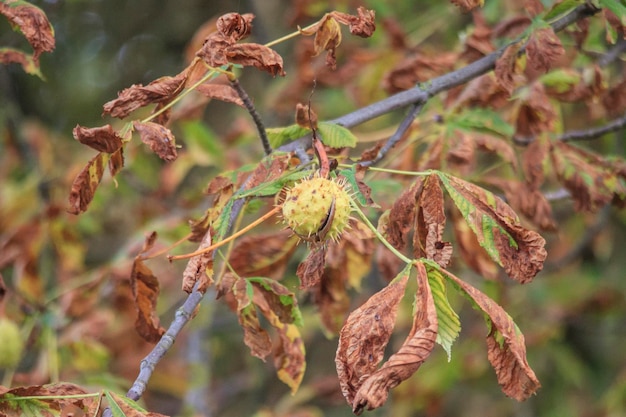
[336,136]
[481,120]
[618,7]
[449,323]
[561,8]
[350,175]
[280,293]
[280,135]
[272,187]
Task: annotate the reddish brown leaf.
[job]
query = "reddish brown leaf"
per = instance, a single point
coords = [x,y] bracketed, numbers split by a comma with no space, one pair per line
[528,201]
[102,139]
[498,146]
[255,55]
[305,116]
[310,270]
[430,224]
[160,139]
[365,335]
[45,406]
[161,90]
[402,216]
[85,184]
[406,361]
[255,337]
[221,92]
[505,344]
[543,49]
[418,68]
[520,251]
[33,23]
[116,162]
[235,26]
[467,5]
[462,149]
[507,69]
[199,269]
[536,114]
[533,7]
[263,255]
[478,43]
[362,25]
[592,180]
[10,55]
[533,160]
[614,99]
[268,169]
[145,288]
[332,300]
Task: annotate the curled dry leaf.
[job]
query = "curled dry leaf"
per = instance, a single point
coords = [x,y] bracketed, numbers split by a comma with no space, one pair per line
[305,116]
[418,68]
[235,26]
[116,161]
[505,344]
[145,288]
[161,90]
[263,255]
[533,160]
[362,25]
[160,139]
[254,336]
[255,55]
[85,184]
[310,270]
[102,139]
[220,92]
[536,113]
[414,351]
[10,55]
[544,48]
[365,336]
[402,216]
[474,256]
[430,223]
[528,201]
[199,268]
[507,68]
[33,23]
[518,250]
[467,5]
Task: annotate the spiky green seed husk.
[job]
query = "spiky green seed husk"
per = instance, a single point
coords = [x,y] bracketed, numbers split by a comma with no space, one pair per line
[308,205]
[11,345]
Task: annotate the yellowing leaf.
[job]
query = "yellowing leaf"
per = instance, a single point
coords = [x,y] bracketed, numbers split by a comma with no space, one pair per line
[85,184]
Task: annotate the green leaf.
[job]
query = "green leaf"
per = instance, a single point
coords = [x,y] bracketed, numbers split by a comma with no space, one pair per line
[27,407]
[200,139]
[617,7]
[561,80]
[449,323]
[561,8]
[281,135]
[115,408]
[482,120]
[350,175]
[336,136]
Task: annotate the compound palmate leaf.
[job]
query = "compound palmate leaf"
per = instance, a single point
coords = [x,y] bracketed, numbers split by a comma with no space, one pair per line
[365,336]
[505,343]
[518,250]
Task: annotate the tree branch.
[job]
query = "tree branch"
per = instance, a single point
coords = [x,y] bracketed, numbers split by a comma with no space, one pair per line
[422,93]
[594,132]
[234,82]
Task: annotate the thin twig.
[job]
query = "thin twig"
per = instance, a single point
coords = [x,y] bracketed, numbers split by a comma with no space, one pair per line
[398,134]
[421,93]
[594,132]
[260,127]
[613,53]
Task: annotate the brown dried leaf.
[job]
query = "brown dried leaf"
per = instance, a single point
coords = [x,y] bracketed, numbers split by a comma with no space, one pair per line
[33,23]
[161,90]
[365,335]
[305,116]
[255,337]
[311,270]
[269,169]
[332,300]
[478,43]
[528,201]
[430,224]
[543,49]
[418,68]
[220,92]
[362,25]
[255,55]
[507,69]
[160,139]
[498,146]
[467,5]
[85,184]
[505,344]
[10,55]
[145,288]
[263,255]
[533,7]
[414,351]
[102,139]
[592,180]
[199,268]
[52,399]
[116,162]
[350,258]
[536,113]
[327,38]
[402,216]
[235,26]
[614,99]
[520,251]
[533,160]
